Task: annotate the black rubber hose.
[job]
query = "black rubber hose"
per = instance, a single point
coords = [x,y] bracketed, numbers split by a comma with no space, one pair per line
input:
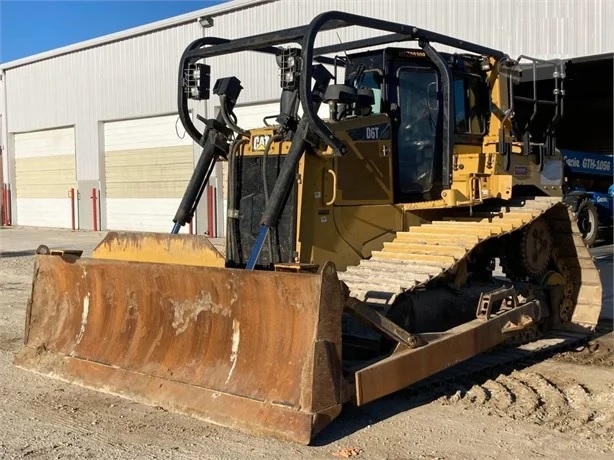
[232,233]
[265,186]
[283,184]
[226,116]
[201,173]
[196,185]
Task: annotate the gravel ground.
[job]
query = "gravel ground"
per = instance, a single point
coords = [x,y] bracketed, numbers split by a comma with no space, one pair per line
[560,408]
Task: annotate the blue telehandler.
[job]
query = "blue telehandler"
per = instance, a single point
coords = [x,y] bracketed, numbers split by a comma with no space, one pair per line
[590,193]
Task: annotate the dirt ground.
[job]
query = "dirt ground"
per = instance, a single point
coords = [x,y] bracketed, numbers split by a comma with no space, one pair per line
[562,407]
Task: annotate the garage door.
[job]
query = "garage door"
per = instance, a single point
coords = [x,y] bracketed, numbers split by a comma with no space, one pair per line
[147,168]
[44,174]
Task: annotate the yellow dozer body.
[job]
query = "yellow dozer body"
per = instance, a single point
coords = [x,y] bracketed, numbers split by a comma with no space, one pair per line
[361,249]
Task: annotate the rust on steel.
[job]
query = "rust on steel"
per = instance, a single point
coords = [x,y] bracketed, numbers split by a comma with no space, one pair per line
[159,248]
[408,366]
[258,351]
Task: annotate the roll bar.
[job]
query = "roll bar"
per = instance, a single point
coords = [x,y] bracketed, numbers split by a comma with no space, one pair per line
[305,36]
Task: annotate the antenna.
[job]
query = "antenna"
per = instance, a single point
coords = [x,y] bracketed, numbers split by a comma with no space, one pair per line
[344,52]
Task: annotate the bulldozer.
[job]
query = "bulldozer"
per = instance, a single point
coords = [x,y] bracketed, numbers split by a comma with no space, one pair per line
[415,227]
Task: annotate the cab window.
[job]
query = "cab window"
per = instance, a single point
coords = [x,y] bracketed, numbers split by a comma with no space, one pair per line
[469,104]
[372,79]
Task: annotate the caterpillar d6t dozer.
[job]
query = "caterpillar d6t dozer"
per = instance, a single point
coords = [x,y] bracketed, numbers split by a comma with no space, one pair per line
[361,248]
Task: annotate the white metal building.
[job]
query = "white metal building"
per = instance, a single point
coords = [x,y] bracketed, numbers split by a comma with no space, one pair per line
[99,117]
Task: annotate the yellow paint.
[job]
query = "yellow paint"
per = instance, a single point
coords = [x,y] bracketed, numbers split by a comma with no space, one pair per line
[45,177]
[161,172]
[345,204]
[258,139]
[159,248]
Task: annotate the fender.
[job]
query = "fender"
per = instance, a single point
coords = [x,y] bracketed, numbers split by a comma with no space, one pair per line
[573,199]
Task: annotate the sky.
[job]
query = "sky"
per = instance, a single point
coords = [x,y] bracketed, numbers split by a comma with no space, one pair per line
[29,27]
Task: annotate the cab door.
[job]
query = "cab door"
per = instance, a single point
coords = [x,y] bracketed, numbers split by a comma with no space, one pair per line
[418,128]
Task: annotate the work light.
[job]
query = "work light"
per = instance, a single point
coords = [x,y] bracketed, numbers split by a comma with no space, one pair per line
[288,62]
[197,81]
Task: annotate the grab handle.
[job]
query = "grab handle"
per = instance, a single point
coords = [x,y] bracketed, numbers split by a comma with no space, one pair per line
[332,200]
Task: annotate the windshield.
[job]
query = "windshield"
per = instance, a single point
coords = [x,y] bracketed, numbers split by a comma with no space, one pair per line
[418,89]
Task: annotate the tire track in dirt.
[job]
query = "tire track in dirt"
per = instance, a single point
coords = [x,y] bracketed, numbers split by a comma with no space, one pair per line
[561,404]
[501,395]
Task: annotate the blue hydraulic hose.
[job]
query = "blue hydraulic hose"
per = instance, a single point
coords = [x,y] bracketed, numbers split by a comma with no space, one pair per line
[176,228]
[253,257]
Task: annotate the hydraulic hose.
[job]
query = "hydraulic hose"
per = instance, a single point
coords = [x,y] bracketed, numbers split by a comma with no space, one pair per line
[214,143]
[226,117]
[265,186]
[281,189]
[232,233]
[196,186]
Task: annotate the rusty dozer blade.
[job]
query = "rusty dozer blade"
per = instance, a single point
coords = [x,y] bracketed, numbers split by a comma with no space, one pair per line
[257,351]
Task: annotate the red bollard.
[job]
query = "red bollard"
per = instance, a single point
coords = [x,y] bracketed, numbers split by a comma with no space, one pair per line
[211,208]
[6,205]
[215,212]
[4,208]
[9,206]
[94,198]
[71,195]
[209,212]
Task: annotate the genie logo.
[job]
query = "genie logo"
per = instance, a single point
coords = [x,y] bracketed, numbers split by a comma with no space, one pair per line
[572,162]
[588,163]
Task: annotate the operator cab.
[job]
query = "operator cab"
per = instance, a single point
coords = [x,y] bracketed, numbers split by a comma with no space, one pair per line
[406,85]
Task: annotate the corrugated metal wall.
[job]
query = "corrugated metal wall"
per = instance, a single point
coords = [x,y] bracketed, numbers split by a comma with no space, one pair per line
[545,29]
[130,78]
[137,77]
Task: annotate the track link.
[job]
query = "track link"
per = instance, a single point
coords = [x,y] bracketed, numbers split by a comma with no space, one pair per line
[426,252]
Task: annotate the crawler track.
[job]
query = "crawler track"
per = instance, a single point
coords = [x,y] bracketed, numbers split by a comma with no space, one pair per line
[424,253]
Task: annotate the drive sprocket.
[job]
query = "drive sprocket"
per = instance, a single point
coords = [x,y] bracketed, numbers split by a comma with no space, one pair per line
[536,247]
[566,304]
